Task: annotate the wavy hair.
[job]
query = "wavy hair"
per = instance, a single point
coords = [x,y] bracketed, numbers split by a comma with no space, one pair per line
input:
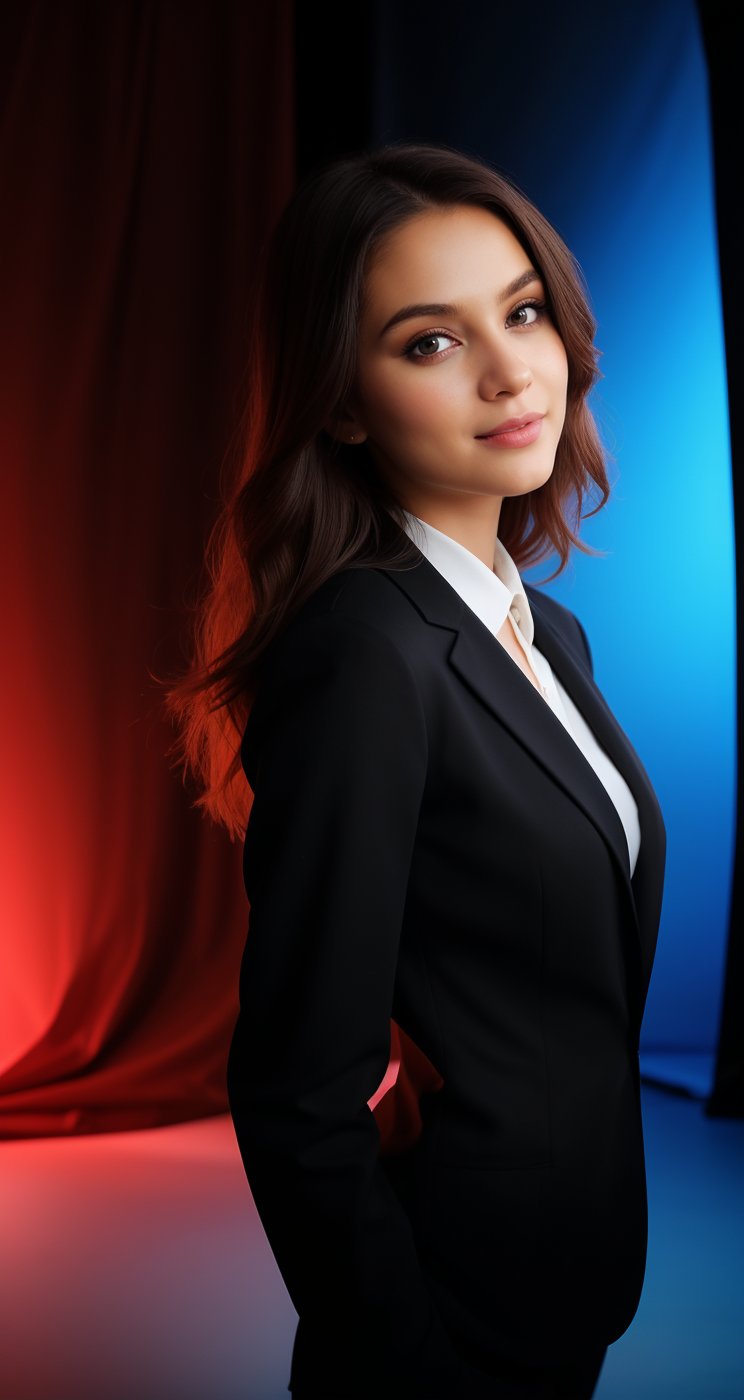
[300,508]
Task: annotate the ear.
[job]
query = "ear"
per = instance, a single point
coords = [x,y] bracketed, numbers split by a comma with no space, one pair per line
[346,428]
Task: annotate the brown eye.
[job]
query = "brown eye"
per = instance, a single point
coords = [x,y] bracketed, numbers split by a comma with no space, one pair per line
[429,345]
[537,306]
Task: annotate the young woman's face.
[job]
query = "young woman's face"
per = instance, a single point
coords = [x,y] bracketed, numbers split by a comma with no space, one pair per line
[450,348]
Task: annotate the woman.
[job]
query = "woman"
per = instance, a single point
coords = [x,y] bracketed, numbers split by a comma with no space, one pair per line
[450,839]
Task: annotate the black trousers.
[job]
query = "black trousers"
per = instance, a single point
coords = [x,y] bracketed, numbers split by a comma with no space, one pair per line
[574,1380]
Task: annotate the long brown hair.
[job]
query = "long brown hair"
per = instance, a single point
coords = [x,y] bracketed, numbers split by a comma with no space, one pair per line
[301,508]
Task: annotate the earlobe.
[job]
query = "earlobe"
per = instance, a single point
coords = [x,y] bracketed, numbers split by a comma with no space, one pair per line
[346,430]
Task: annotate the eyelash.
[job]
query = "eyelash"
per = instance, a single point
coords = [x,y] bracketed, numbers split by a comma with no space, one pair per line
[540,307]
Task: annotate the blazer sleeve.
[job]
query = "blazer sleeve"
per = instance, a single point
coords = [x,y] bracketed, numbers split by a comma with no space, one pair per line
[336,754]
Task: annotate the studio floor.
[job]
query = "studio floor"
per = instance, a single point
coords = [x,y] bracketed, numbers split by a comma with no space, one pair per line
[134,1267]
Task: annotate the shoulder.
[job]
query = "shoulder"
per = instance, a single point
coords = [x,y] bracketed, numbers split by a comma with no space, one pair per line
[354,626]
[340,666]
[355,609]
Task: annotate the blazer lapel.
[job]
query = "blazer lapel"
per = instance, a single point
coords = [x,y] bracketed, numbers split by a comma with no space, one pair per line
[488,670]
[648,877]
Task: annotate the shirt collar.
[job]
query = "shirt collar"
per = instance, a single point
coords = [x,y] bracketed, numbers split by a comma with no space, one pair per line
[489,593]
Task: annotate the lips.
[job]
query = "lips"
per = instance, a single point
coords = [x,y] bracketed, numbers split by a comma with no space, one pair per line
[511,423]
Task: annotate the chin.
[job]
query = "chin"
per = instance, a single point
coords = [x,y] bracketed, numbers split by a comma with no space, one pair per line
[527,481]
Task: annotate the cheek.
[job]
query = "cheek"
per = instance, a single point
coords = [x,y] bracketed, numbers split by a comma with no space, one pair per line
[558,365]
[552,371]
[406,402]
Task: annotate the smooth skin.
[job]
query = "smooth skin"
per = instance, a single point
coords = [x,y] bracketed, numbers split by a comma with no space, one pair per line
[427,386]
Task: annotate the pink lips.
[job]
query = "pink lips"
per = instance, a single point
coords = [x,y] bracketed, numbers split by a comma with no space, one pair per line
[515,432]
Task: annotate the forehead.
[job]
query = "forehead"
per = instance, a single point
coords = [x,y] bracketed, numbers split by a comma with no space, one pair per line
[453,254]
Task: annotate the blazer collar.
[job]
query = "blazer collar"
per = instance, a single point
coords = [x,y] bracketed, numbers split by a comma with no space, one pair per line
[488,670]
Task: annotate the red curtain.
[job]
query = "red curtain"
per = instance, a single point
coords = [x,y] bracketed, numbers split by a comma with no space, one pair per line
[144,151]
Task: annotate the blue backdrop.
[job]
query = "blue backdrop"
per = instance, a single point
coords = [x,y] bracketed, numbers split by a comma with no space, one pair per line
[600,114]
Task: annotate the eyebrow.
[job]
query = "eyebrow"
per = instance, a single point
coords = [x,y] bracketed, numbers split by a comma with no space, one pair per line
[407,313]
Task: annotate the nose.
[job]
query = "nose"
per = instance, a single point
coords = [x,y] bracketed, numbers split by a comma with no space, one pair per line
[503,372]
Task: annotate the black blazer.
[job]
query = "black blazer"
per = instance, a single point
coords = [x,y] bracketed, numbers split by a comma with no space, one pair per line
[428,843]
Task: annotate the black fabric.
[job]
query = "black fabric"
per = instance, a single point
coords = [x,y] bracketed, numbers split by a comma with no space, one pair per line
[573,1380]
[427,842]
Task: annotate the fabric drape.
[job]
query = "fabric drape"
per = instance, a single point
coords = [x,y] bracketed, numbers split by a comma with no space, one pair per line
[145,150]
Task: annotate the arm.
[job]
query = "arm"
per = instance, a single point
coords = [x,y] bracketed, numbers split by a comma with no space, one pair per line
[339,767]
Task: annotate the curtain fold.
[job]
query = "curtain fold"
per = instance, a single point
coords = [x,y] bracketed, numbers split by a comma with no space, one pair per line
[145,150]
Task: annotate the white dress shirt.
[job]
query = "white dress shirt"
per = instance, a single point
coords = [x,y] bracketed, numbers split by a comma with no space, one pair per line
[498,593]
